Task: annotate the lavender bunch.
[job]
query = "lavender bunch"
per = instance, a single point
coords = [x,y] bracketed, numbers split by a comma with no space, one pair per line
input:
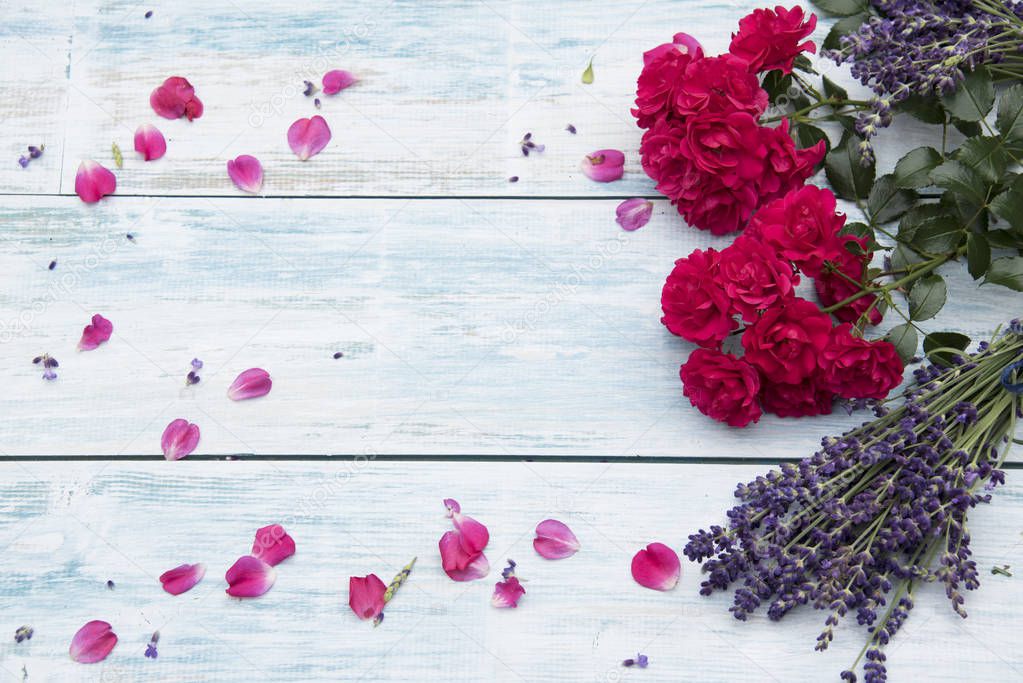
[925,48]
[853,529]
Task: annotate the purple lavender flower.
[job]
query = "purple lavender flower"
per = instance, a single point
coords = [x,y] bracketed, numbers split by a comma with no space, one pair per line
[527,145]
[23,633]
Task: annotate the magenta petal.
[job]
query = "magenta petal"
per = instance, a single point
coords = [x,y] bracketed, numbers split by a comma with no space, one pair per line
[473,535]
[149,142]
[179,439]
[246,173]
[452,506]
[249,577]
[459,564]
[336,81]
[92,643]
[252,383]
[95,333]
[175,98]
[307,137]
[183,578]
[273,545]
[93,181]
[633,214]
[657,566]
[366,596]
[507,593]
[554,540]
[604,165]
[476,569]
[688,45]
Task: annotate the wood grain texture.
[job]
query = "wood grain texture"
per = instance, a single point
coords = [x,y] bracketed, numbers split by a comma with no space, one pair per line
[447,91]
[502,327]
[65,531]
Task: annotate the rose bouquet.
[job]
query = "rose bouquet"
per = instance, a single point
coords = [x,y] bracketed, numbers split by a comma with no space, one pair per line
[858,526]
[727,166]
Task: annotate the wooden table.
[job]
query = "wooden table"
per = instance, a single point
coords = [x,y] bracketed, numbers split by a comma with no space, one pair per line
[501,345]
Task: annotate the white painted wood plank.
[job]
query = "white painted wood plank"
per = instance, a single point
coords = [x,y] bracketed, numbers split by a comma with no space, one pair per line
[67,531]
[448,89]
[499,327]
[34,52]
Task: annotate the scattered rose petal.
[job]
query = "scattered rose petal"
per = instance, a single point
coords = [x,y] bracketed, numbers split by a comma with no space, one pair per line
[246,173]
[149,142]
[366,596]
[179,439]
[252,383]
[176,98]
[249,577]
[633,214]
[461,550]
[604,165]
[337,80]
[92,643]
[94,181]
[307,137]
[657,566]
[554,540]
[183,578]
[273,545]
[507,593]
[95,333]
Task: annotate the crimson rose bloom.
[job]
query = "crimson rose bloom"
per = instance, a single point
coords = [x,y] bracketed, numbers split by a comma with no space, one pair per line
[787,168]
[784,343]
[729,147]
[853,367]
[721,386]
[797,400]
[769,39]
[694,304]
[832,287]
[662,76]
[802,226]
[702,199]
[754,277]
[719,85]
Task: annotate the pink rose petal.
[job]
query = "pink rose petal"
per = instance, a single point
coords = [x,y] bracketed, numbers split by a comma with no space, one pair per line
[458,564]
[95,333]
[366,596]
[92,643]
[452,506]
[149,142]
[473,536]
[307,137]
[249,577]
[507,593]
[633,214]
[183,578]
[246,173]
[175,98]
[93,181]
[604,165]
[336,81]
[273,545]
[657,567]
[252,383]
[179,439]
[554,540]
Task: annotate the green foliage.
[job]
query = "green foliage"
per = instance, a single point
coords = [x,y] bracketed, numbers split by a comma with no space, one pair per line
[849,177]
[914,169]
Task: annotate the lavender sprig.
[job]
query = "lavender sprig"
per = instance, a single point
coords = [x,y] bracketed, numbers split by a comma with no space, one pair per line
[853,529]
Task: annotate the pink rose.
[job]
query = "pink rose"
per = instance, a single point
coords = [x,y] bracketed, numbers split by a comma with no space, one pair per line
[695,305]
[721,386]
[754,277]
[784,343]
[853,367]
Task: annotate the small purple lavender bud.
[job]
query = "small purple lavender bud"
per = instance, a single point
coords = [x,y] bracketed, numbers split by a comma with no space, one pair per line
[49,374]
[642,661]
[23,161]
[570,128]
[130,237]
[37,360]
[629,662]
[53,264]
[513,179]
[338,354]
[309,88]
[191,378]
[23,633]
[110,584]
[149,13]
[196,364]
[35,152]
[316,102]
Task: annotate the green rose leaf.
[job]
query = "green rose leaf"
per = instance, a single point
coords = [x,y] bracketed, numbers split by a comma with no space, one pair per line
[904,338]
[841,8]
[808,136]
[832,89]
[843,27]
[938,235]
[944,340]
[961,179]
[1009,119]
[887,201]
[927,109]
[848,177]
[973,98]
[914,169]
[978,254]
[1008,205]
[927,297]
[1007,272]
[986,155]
